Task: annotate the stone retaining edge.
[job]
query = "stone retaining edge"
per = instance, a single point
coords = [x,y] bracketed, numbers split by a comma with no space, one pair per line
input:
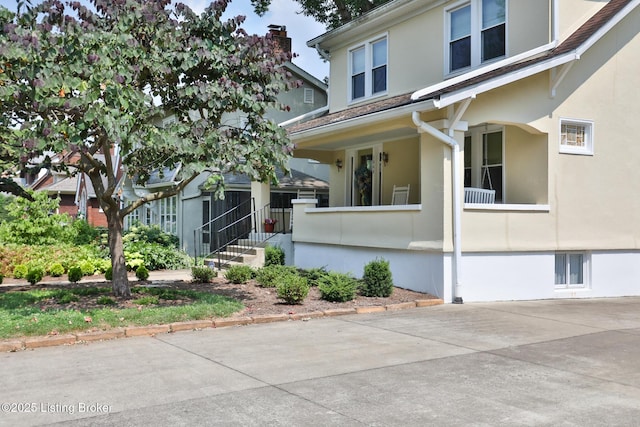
[12,345]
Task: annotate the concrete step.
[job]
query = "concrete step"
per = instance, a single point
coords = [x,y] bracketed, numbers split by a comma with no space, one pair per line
[254,258]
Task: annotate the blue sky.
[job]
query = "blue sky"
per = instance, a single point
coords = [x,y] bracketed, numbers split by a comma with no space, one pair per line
[282,12]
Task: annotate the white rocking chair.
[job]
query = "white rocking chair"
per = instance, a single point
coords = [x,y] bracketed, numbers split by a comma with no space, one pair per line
[400,195]
[479,196]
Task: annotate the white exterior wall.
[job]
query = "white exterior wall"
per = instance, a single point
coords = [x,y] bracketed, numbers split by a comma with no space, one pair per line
[420,271]
[531,275]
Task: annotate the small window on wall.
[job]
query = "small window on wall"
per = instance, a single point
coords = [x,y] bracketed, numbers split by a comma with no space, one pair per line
[570,270]
[576,136]
[308,96]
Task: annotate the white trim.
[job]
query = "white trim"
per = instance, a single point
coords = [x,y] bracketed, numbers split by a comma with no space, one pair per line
[506,207]
[379,208]
[586,272]
[588,148]
[475,37]
[308,96]
[367,45]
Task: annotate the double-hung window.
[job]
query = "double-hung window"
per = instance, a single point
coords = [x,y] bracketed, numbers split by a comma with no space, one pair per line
[476,33]
[368,63]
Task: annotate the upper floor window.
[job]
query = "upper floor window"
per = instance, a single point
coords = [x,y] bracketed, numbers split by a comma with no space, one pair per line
[576,136]
[477,33]
[368,69]
[308,95]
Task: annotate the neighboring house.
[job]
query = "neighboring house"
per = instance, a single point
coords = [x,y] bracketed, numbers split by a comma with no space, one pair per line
[195,206]
[535,101]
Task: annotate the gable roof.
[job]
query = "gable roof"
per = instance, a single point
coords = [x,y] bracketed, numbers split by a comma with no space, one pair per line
[569,50]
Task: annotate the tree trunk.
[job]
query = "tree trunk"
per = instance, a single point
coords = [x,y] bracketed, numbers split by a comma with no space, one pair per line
[120,281]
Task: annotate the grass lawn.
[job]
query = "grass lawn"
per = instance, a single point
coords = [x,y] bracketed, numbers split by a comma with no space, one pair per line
[59,310]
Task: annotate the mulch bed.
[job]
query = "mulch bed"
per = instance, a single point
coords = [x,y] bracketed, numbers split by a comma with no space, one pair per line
[257,300]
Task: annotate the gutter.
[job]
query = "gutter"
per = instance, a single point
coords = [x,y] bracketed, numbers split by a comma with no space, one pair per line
[456,186]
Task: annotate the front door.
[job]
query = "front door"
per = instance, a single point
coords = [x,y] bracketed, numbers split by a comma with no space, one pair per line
[365,173]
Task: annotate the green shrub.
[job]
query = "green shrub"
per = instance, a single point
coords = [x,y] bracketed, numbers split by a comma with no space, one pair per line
[150,234]
[104,300]
[239,274]
[20,271]
[292,288]
[1,279]
[67,297]
[101,264]
[377,281]
[35,274]
[337,287]
[85,233]
[203,273]
[109,273]
[56,269]
[269,276]
[74,274]
[87,267]
[155,256]
[142,273]
[313,275]
[273,255]
[146,300]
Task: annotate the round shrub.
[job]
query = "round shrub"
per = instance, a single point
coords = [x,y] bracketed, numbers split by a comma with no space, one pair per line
[273,255]
[20,271]
[87,267]
[337,287]
[35,274]
[313,275]
[56,269]
[292,288]
[108,274]
[74,274]
[203,273]
[239,274]
[142,273]
[268,276]
[377,281]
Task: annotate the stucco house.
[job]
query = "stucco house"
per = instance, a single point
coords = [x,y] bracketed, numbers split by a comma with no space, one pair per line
[535,101]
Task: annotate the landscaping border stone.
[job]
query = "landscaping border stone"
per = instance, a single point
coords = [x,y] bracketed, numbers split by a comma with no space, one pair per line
[12,345]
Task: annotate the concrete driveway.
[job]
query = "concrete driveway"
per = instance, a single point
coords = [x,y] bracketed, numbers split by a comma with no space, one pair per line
[561,362]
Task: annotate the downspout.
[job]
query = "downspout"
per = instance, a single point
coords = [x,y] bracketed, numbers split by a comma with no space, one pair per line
[456,187]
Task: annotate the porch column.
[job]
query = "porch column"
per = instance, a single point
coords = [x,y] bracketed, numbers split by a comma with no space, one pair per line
[261,193]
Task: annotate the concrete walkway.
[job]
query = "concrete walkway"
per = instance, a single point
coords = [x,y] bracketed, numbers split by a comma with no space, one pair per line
[562,362]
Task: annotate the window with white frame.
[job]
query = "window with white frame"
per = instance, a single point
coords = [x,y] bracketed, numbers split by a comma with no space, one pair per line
[308,95]
[576,136]
[476,33]
[368,65]
[168,214]
[571,270]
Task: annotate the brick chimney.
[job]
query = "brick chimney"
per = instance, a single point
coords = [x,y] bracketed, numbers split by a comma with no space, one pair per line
[279,34]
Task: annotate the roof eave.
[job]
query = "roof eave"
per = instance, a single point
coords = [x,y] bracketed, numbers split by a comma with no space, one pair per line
[363,120]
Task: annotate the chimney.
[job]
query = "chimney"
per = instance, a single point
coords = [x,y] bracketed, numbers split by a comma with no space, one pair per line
[279,34]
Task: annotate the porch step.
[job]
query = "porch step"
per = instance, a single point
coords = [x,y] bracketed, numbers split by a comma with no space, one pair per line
[253,257]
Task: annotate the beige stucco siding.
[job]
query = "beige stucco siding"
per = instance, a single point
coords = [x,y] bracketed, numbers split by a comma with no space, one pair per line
[416,48]
[528,25]
[402,169]
[593,198]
